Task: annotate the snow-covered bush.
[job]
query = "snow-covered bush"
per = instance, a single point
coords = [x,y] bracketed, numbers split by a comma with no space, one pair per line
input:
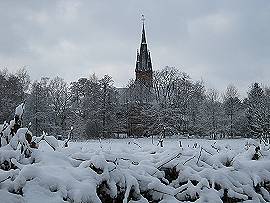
[43,169]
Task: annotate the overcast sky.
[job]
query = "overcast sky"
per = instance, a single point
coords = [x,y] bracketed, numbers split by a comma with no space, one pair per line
[221,42]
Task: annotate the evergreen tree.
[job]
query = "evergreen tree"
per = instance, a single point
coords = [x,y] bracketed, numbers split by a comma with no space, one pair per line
[257,111]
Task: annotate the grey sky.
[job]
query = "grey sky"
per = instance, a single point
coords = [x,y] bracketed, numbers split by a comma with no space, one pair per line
[222,42]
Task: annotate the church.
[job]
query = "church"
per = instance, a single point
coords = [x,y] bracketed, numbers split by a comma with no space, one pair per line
[142,87]
[140,90]
[139,93]
[143,70]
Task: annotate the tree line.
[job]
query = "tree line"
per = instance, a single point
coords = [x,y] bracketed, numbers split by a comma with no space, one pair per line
[175,105]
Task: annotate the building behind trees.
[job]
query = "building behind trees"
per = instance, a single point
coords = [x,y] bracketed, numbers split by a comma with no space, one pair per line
[161,102]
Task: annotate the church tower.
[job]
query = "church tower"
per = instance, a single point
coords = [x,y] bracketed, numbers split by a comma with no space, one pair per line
[144,72]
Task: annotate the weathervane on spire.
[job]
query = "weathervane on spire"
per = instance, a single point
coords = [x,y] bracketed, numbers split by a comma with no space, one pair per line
[143,18]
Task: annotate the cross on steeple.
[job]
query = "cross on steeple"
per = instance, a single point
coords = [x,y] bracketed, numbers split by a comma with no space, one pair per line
[143,19]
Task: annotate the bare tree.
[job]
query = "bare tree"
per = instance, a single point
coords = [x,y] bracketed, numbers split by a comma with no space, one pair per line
[212,111]
[60,101]
[164,82]
[24,78]
[232,106]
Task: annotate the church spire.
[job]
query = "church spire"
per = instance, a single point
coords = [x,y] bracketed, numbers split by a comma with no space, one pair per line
[143,63]
[143,31]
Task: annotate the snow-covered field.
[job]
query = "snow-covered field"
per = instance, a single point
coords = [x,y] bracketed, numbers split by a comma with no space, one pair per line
[137,171]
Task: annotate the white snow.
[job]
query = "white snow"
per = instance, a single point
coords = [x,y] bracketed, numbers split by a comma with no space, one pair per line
[19,110]
[135,169]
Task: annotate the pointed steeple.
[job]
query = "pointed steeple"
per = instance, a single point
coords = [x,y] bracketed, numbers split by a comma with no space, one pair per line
[143,35]
[143,63]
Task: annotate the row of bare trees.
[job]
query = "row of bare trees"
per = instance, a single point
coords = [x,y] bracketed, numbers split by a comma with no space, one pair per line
[181,105]
[87,104]
[175,105]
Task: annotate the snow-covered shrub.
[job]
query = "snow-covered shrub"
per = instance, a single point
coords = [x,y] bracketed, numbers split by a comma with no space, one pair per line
[43,169]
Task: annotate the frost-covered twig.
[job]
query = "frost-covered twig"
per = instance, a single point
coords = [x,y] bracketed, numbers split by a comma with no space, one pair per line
[78,159]
[169,160]
[189,160]
[214,147]
[137,144]
[51,141]
[100,145]
[16,163]
[3,180]
[69,137]
[162,192]
[206,151]
[199,155]
[177,156]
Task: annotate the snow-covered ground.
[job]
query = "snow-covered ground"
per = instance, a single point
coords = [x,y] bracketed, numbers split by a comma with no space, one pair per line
[137,171]
[146,143]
